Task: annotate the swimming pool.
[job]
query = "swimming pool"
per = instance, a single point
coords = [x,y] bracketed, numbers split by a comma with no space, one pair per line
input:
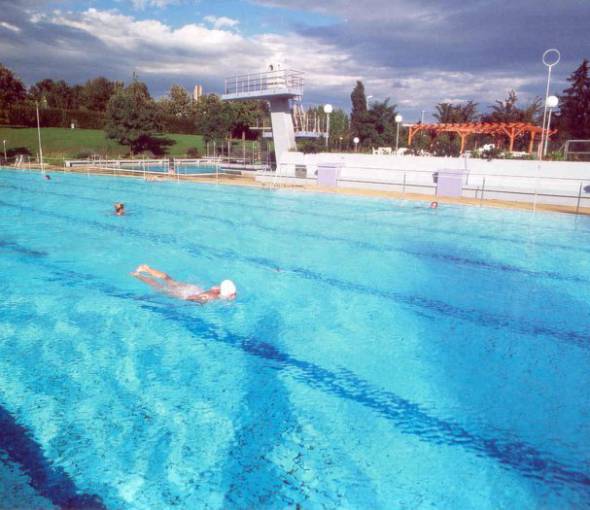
[181,169]
[379,355]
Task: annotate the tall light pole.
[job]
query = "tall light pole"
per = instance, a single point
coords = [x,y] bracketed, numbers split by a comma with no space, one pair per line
[550,103]
[39,134]
[328,110]
[356,141]
[551,58]
[398,121]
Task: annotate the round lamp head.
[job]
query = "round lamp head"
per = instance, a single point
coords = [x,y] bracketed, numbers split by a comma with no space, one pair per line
[551,57]
[398,118]
[328,108]
[551,102]
[356,139]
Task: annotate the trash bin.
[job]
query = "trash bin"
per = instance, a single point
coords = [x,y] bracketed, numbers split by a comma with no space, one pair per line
[449,183]
[328,174]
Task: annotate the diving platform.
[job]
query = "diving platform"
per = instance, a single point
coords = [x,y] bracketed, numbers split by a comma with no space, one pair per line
[277,86]
[282,83]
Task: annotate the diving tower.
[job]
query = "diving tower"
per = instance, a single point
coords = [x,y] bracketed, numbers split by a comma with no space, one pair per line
[278,87]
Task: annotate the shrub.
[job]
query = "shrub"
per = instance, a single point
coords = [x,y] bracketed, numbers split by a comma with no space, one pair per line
[193,152]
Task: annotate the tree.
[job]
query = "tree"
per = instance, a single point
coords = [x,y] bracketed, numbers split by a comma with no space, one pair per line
[447,144]
[178,103]
[97,92]
[381,117]
[131,117]
[339,128]
[507,111]
[448,113]
[574,116]
[360,123]
[12,90]
[213,117]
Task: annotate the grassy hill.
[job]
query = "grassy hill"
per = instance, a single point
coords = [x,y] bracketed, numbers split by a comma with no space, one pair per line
[59,143]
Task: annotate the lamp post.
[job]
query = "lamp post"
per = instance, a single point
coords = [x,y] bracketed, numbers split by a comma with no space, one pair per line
[39,135]
[398,121]
[5,158]
[328,110]
[550,103]
[551,58]
[356,141]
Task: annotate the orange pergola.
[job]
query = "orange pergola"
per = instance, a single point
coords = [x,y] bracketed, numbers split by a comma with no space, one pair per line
[512,130]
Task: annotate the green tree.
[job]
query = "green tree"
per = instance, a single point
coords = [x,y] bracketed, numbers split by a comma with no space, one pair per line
[213,117]
[54,94]
[448,113]
[574,116]
[131,117]
[360,123]
[381,118]
[447,144]
[339,129]
[97,92]
[178,103]
[12,90]
[508,111]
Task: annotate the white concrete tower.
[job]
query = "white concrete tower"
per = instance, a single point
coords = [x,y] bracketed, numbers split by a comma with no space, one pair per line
[277,86]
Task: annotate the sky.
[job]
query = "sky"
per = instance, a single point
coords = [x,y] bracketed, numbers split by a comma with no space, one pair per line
[416,52]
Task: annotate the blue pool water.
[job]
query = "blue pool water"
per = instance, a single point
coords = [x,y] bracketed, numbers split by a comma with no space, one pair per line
[181,169]
[379,354]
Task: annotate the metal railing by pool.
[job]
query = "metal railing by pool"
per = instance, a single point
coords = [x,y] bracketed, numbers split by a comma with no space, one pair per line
[560,191]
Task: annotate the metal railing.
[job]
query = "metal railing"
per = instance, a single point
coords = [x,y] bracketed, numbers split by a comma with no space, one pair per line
[572,193]
[268,81]
[568,152]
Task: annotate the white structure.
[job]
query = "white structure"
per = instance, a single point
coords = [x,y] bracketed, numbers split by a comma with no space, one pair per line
[278,87]
[549,182]
[197,92]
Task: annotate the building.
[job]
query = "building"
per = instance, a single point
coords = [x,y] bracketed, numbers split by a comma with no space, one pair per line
[197,92]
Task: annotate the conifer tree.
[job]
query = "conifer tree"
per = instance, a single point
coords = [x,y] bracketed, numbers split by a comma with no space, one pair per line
[574,118]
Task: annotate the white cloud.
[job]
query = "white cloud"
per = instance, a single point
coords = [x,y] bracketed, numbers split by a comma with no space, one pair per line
[160,4]
[114,44]
[221,22]
[8,26]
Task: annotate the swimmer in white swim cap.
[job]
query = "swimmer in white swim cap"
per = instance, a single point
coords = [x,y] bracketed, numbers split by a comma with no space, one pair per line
[227,289]
[187,291]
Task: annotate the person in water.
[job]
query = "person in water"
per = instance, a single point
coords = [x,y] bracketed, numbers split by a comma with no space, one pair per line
[433,205]
[187,291]
[119,208]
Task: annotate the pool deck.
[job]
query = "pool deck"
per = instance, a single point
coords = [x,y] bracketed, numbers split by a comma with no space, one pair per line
[246,180]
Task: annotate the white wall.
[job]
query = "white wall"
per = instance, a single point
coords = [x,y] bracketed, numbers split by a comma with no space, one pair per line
[523,178]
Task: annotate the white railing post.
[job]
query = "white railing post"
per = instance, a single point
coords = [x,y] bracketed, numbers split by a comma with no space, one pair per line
[579,198]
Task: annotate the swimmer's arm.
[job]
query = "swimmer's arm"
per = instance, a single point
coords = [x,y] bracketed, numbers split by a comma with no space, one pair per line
[203,297]
[149,281]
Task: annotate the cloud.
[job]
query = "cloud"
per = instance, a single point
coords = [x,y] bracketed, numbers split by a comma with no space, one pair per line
[417,57]
[158,4]
[8,26]
[221,22]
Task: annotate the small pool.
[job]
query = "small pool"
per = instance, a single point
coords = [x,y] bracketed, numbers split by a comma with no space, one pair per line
[379,355]
[181,169]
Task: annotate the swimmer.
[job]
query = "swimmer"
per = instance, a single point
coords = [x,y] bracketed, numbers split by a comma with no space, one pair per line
[119,208]
[163,282]
[47,177]
[433,205]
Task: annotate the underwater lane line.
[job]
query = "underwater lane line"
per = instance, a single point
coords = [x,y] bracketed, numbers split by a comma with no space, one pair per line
[443,257]
[412,302]
[391,206]
[408,417]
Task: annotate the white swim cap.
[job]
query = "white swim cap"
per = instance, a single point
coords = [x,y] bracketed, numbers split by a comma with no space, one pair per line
[227,288]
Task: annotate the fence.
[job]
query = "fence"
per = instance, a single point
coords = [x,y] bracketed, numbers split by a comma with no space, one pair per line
[266,82]
[561,191]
